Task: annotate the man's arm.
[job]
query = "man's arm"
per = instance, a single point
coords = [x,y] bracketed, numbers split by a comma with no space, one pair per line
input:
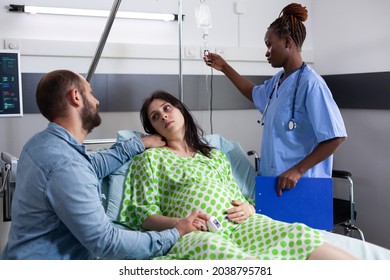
[107,161]
[72,193]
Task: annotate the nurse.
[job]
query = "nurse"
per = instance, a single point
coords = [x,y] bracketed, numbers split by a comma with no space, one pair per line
[302,125]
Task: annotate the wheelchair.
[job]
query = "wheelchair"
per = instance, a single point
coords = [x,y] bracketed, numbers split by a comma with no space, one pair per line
[344,213]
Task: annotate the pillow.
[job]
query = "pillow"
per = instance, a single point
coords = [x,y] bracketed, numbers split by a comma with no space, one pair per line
[117,178]
[242,170]
[219,142]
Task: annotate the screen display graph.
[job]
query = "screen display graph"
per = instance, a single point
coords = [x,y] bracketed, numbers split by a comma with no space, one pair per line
[11,104]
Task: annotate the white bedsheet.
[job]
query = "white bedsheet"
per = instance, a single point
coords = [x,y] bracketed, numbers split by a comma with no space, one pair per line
[361,249]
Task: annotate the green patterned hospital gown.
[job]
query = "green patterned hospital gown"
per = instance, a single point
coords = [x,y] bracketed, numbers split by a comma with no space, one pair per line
[161,182]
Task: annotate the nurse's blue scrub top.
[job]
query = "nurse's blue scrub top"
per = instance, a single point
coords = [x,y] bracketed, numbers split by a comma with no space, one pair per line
[317,118]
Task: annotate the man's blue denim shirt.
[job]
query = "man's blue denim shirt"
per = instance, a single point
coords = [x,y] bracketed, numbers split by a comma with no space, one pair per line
[56,208]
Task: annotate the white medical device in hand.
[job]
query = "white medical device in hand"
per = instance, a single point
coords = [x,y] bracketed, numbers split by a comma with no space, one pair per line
[213,224]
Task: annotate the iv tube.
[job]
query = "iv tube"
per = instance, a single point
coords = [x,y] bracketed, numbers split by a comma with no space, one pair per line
[203,20]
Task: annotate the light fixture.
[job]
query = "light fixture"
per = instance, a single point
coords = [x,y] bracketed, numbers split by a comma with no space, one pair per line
[89,13]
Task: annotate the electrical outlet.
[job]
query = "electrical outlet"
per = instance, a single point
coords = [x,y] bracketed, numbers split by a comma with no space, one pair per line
[190,52]
[11,44]
[220,51]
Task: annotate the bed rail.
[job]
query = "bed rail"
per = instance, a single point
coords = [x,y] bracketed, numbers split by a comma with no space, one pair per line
[99,141]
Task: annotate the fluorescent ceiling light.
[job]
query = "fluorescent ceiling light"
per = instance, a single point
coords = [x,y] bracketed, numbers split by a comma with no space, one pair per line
[90,13]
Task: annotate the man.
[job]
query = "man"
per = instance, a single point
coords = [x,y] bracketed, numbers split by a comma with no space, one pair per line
[56,209]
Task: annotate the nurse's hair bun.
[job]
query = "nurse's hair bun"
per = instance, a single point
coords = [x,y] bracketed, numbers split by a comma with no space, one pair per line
[296,10]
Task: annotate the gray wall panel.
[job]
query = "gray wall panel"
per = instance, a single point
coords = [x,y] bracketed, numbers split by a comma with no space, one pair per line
[361,91]
[126,92]
[99,87]
[29,86]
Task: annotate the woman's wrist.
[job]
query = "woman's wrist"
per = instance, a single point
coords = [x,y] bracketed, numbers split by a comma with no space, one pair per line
[253,210]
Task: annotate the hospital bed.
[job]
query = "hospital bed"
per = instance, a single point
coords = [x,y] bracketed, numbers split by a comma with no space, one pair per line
[243,172]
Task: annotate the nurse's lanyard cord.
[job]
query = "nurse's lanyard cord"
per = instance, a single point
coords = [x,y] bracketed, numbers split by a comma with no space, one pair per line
[291,124]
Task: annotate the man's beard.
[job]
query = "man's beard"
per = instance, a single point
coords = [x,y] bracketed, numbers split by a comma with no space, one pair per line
[90,117]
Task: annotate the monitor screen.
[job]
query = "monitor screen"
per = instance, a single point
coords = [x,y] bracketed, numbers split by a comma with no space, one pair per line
[10,84]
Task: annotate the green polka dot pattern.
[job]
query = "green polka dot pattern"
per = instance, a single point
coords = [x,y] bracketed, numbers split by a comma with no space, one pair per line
[161,182]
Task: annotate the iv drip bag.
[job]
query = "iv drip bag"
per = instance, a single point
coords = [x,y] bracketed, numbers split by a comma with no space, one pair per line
[203,17]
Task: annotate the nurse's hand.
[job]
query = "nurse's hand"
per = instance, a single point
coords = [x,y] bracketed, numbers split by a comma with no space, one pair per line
[288,180]
[215,61]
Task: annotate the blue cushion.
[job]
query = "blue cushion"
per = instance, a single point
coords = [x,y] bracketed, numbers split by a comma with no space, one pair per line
[243,171]
[117,178]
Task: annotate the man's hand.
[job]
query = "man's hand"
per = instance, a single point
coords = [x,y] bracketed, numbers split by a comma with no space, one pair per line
[153,141]
[187,225]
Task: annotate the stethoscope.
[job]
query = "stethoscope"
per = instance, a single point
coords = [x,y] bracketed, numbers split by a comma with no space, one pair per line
[291,124]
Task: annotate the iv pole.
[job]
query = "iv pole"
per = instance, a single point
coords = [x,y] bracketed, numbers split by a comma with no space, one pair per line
[180,19]
[103,39]
[106,32]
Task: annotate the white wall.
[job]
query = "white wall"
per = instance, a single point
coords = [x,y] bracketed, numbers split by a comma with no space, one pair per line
[343,37]
[352,36]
